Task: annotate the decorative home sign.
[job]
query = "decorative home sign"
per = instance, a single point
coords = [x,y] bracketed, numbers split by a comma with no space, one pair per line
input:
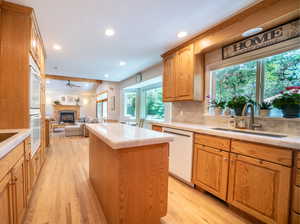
[267,38]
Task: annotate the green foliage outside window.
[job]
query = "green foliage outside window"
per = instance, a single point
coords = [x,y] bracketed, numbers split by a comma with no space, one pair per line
[278,72]
[237,80]
[130,105]
[154,106]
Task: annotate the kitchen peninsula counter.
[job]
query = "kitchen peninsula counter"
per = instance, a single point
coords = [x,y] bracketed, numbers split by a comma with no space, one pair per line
[129,172]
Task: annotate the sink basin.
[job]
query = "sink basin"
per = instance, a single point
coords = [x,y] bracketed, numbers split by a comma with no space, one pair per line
[251,132]
[4,136]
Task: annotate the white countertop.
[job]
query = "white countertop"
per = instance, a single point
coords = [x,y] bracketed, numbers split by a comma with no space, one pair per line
[291,142]
[119,136]
[10,143]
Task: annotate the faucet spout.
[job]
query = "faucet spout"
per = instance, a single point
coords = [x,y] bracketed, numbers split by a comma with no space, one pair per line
[252,124]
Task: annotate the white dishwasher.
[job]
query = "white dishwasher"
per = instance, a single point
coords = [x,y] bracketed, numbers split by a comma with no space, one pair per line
[181,154]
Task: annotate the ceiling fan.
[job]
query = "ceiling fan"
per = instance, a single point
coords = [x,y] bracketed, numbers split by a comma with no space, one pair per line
[71,85]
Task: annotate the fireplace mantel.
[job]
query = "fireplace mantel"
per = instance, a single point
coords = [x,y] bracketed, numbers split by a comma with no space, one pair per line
[58,108]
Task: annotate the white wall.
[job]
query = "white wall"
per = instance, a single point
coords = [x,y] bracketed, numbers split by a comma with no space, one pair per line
[113,90]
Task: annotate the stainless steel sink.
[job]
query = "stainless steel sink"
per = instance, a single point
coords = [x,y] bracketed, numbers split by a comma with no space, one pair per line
[251,132]
[4,136]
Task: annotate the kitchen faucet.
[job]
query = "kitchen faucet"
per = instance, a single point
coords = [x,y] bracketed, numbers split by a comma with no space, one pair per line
[252,124]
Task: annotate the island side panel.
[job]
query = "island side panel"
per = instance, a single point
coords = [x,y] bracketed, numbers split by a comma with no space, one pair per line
[103,171]
[143,184]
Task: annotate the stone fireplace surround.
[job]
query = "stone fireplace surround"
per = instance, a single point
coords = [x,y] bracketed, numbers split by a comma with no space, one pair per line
[57,109]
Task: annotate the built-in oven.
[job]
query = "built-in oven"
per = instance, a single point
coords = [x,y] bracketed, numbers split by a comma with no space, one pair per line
[35,125]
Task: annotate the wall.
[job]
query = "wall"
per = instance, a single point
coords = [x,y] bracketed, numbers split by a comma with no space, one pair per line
[113,90]
[88,105]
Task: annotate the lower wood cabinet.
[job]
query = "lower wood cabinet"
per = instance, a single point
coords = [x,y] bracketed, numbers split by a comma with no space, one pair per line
[156,128]
[260,188]
[6,211]
[19,190]
[18,174]
[211,170]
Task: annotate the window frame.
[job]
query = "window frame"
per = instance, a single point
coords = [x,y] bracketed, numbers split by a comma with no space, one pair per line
[260,74]
[143,100]
[105,99]
[125,91]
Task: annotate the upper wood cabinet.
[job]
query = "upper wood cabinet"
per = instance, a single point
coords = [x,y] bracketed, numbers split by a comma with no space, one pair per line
[169,90]
[36,46]
[183,76]
[259,188]
[185,73]
[211,170]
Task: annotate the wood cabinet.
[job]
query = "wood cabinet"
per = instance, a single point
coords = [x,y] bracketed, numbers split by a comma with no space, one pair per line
[259,188]
[211,170]
[184,73]
[18,173]
[183,76]
[6,211]
[156,128]
[213,141]
[35,165]
[19,190]
[169,85]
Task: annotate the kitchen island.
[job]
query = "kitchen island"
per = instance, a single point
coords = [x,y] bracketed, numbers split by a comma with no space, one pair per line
[129,172]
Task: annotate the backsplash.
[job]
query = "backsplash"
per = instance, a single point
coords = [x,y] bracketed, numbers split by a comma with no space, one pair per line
[194,112]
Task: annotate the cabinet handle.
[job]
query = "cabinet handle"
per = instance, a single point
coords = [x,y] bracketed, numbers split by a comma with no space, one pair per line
[225,159]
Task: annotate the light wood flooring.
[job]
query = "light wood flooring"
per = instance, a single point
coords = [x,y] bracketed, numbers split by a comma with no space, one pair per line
[64,195]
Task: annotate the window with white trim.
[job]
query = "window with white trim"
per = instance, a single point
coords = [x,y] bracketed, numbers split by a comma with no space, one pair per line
[260,79]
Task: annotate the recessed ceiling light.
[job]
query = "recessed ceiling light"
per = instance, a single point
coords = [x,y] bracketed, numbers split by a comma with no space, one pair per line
[109,32]
[252,32]
[106,75]
[122,63]
[181,34]
[56,47]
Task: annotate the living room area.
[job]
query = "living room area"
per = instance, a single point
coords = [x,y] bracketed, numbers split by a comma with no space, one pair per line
[70,104]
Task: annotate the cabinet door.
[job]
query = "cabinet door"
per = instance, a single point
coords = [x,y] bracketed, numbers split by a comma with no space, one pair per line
[33,170]
[185,73]
[169,91]
[211,170]
[19,190]
[6,211]
[259,188]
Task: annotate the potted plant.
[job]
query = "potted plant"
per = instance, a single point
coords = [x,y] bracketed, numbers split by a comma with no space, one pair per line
[56,102]
[288,102]
[237,103]
[218,106]
[264,108]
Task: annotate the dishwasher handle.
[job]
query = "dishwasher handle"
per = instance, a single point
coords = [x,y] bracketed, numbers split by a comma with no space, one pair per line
[173,133]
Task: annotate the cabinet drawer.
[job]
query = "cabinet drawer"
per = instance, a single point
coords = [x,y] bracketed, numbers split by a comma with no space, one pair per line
[297,180]
[213,141]
[296,199]
[8,161]
[263,152]
[156,128]
[295,218]
[298,160]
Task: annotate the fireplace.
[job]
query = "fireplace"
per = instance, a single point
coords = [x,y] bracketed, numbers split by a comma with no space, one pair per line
[67,116]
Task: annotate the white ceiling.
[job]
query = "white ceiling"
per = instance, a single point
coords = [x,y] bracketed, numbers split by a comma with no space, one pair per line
[59,86]
[144,30]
